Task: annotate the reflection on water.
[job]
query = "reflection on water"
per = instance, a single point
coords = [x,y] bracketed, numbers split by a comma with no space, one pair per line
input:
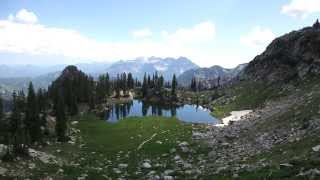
[187,113]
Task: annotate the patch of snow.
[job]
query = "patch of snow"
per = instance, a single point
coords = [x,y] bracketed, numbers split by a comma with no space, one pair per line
[235,116]
[160,67]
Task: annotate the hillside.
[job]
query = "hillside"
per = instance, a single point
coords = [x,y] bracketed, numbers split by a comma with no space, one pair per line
[279,138]
[7,85]
[294,55]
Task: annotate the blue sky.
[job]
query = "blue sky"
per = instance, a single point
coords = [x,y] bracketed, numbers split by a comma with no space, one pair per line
[209,32]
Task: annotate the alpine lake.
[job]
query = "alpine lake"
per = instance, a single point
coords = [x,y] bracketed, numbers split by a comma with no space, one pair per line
[136,108]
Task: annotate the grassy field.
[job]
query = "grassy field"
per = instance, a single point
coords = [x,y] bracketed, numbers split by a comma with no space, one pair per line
[105,145]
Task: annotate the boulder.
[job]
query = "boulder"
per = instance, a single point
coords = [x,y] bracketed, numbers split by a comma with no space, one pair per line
[168,178]
[146,165]
[316,148]
[3,171]
[3,150]
[123,166]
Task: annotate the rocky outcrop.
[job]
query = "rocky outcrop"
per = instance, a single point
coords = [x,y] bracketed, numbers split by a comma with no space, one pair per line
[288,57]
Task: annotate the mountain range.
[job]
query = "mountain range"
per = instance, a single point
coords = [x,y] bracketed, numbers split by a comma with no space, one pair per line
[209,76]
[16,77]
[165,66]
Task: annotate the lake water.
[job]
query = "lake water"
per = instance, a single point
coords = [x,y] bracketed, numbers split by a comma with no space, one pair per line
[187,113]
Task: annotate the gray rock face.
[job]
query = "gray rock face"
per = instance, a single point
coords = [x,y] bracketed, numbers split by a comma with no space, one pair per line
[290,56]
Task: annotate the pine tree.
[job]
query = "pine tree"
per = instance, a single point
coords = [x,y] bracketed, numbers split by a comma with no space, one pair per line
[100,89]
[71,95]
[1,108]
[130,81]
[21,101]
[61,120]
[124,83]
[32,119]
[161,82]
[218,81]
[117,86]
[149,82]
[40,99]
[144,87]
[17,129]
[107,84]
[195,85]
[174,85]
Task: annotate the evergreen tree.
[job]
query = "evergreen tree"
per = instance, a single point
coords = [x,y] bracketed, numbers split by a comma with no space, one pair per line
[21,101]
[42,100]
[174,85]
[124,83]
[161,81]
[117,86]
[219,79]
[100,89]
[144,87]
[17,128]
[149,82]
[61,120]
[193,84]
[71,95]
[32,119]
[73,108]
[130,81]
[107,84]
[1,108]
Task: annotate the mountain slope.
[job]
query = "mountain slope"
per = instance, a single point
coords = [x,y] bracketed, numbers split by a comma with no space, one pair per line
[7,85]
[210,75]
[291,56]
[167,66]
[279,139]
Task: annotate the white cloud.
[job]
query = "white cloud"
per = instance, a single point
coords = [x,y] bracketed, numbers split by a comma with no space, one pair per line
[200,33]
[22,34]
[24,16]
[142,33]
[258,37]
[301,8]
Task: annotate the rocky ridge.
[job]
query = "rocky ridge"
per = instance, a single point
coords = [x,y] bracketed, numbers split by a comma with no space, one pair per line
[291,56]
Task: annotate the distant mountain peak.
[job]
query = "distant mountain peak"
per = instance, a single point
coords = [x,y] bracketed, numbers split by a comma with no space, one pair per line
[165,66]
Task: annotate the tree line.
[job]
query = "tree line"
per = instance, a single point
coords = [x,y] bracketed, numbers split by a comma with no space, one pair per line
[25,124]
[157,85]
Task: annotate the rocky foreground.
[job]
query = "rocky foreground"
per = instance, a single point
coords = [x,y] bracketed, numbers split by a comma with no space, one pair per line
[279,134]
